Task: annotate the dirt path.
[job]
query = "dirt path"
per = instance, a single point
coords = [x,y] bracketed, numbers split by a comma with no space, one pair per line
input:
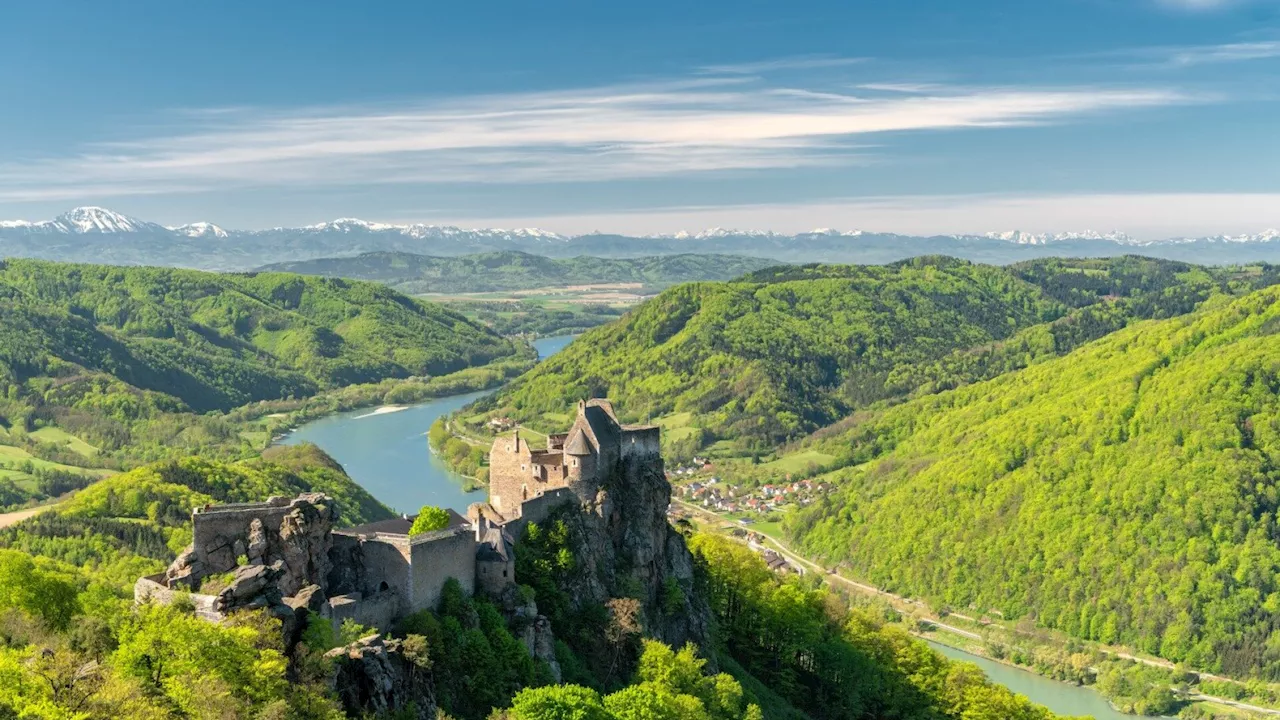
[7,519]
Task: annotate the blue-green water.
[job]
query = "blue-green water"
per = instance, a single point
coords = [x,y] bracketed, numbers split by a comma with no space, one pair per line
[387,454]
[1062,698]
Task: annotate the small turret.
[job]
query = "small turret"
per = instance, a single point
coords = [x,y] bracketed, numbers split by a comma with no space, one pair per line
[577,445]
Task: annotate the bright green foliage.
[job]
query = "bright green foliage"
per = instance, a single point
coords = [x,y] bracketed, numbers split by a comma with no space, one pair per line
[669,685]
[514,270]
[560,702]
[106,368]
[217,341]
[784,351]
[834,663]
[38,592]
[475,660]
[133,524]
[1126,493]
[430,519]
[776,356]
[193,662]
[44,684]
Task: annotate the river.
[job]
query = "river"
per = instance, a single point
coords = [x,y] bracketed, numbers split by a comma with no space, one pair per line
[387,453]
[1060,697]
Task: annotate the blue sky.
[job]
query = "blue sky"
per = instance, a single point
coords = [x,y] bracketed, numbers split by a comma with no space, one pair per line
[1156,117]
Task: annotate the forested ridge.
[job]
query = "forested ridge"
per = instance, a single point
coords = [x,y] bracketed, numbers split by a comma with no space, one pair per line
[104,368]
[784,351]
[514,270]
[1125,493]
[218,341]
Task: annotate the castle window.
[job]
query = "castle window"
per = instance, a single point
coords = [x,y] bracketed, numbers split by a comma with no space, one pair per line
[522,467]
[504,573]
[383,586]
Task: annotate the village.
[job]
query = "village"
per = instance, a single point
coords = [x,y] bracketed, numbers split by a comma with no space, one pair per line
[696,484]
[754,512]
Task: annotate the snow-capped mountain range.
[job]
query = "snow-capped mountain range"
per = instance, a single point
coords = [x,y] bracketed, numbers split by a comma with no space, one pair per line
[94,234]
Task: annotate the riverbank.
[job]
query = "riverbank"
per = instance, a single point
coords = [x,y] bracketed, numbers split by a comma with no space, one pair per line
[387,453]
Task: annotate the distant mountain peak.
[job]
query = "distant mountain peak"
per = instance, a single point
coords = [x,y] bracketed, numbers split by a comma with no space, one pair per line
[199,230]
[1025,238]
[93,219]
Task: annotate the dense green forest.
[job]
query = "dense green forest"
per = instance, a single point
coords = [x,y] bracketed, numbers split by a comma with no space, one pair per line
[218,341]
[514,270]
[781,352]
[1125,493]
[102,368]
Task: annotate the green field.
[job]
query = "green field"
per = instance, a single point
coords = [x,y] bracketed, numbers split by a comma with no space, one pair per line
[799,461]
[256,438]
[57,436]
[12,456]
[676,426]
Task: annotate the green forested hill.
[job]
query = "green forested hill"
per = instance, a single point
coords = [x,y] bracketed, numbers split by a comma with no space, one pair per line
[1126,492]
[217,341]
[786,350]
[104,367]
[513,270]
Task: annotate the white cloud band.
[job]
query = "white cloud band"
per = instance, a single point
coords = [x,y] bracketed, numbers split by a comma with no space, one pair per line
[702,125]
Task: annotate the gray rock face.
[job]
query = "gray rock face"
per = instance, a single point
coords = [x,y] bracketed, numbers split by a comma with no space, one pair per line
[376,677]
[625,542]
[305,539]
[292,557]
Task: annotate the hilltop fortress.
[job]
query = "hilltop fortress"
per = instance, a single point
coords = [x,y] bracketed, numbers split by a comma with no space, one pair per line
[286,556]
[593,448]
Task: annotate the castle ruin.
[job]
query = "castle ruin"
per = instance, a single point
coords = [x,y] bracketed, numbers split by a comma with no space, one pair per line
[286,556]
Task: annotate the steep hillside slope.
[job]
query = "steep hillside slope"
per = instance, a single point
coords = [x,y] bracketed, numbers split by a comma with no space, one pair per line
[786,350]
[1124,493]
[514,270]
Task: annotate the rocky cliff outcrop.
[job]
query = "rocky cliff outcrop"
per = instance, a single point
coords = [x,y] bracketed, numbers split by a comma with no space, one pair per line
[373,676]
[290,549]
[625,545]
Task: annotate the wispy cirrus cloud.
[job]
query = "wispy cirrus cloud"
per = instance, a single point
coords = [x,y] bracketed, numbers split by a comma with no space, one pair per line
[680,127]
[1230,52]
[809,62]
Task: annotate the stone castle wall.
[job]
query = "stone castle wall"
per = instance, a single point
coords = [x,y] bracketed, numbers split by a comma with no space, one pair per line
[507,481]
[151,589]
[641,443]
[493,576]
[221,526]
[435,558]
[539,509]
[378,611]
[386,565]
